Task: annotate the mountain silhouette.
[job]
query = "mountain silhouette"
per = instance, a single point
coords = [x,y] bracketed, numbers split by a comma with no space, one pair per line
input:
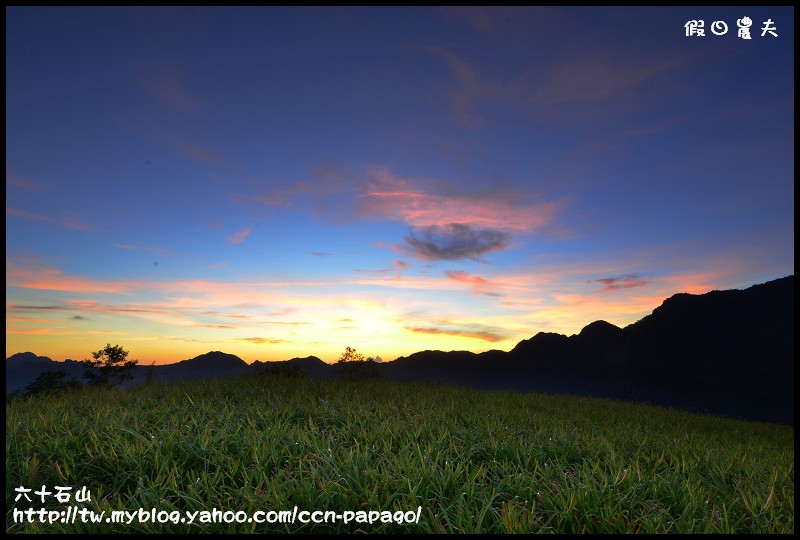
[208,365]
[728,353]
[310,366]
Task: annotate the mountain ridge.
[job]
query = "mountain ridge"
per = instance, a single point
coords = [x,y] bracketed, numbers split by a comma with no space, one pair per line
[728,352]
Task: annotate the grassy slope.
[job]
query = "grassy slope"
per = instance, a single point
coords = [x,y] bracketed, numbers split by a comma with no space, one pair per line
[475,461]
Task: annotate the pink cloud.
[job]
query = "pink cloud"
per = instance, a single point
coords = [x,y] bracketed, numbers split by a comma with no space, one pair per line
[54,279]
[458,275]
[478,285]
[391,197]
[238,237]
[402,265]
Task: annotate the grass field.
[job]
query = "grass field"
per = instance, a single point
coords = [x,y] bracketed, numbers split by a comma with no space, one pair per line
[474,461]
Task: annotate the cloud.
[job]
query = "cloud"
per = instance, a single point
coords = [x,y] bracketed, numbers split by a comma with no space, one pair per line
[474,331]
[70,221]
[587,79]
[217,326]
[388,196]
[478,285]
[79,318]
[470,87]
[151,249]
[54,279]
[402,265]
[260,340]
[187,146]
[25,308]
[321,254]
[23,182]
[238,237]
[627,281]
[455,241]
[166,85]
[458,275]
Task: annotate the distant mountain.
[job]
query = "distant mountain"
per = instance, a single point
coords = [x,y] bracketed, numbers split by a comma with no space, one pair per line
[26,359]
[728,353]
[208,365]
[23,368]
[311,366]
[211,360]
[724,352]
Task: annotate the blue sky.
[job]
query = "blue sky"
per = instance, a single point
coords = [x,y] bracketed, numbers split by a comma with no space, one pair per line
[279,182]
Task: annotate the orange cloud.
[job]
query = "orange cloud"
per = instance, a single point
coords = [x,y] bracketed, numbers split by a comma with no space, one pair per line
[261,341]
[485,335]
[38,331]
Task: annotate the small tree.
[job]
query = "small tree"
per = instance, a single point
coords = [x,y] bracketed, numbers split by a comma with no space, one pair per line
[351,365]
[109,367]
[150,374]
[350,355]
[51,382]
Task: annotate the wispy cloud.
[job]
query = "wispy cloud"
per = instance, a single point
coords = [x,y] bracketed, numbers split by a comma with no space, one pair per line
[478,285]
[166,85]
[151,249]
[24,182]
[215,326]
[321,254]
[464,277]
[474,331]
[55,279]
[36,331]
[470,87]
[238,237]
[261,340]
[187,146]
[586,79]
[627,281]
[68,220]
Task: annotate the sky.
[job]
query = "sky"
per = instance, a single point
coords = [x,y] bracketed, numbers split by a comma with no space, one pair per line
[285,182]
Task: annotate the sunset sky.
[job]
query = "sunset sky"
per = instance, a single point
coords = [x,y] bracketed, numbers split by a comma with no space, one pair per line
[285,182]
